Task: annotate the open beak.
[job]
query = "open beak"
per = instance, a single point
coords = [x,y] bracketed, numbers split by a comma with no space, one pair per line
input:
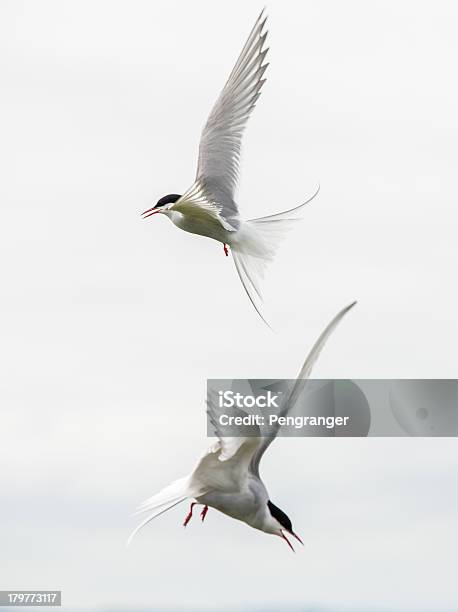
[297,537]
[150,212]
[294,536]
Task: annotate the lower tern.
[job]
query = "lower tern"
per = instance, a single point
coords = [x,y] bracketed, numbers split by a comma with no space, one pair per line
[208,207]
[227,477]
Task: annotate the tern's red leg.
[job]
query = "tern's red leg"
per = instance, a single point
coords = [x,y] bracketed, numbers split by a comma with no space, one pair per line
[189,515]
[226,250]
[203,514]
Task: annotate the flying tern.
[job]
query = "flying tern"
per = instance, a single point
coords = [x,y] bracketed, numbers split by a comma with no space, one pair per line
[208,207]
[227,477]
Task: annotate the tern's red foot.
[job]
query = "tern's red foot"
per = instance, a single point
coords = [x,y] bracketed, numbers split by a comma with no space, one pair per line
[226,250]
[203,514]
[189,515]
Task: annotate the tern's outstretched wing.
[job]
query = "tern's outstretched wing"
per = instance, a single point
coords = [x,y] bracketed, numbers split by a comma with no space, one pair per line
[221,139]
[248,435]
[225,466]
[298,387]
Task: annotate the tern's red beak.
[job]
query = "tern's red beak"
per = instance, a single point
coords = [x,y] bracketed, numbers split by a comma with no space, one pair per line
[297,537]
[150,212]
[294,536]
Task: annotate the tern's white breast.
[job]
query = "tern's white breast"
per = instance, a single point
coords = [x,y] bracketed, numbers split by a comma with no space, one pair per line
[204,225]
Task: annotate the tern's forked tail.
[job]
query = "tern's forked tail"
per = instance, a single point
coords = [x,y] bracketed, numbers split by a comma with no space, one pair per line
[166,499]
[255,247]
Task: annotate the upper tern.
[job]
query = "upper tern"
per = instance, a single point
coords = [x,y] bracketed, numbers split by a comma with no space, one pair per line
[227,477]
[208,207]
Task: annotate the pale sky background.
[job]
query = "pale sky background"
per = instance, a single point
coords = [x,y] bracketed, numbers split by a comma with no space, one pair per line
[110,325]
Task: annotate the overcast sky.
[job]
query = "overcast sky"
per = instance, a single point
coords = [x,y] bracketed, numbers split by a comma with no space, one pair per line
[110,325]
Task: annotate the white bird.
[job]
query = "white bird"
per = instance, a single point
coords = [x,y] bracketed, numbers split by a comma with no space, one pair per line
[208,207]
[227,477]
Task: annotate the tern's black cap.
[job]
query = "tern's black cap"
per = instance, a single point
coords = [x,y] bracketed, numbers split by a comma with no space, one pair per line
[280,516]
[168,199]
